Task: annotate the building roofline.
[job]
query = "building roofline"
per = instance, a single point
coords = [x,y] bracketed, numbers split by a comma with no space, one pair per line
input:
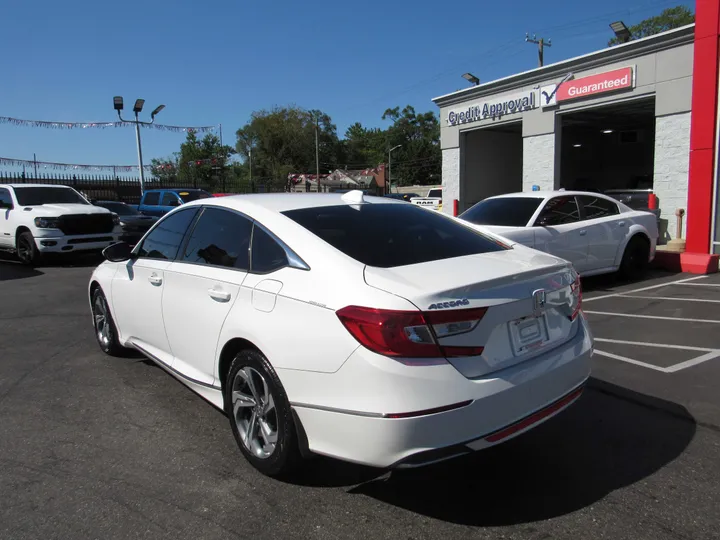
[617,53]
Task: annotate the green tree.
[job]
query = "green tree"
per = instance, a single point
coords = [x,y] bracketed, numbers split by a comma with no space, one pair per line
[282,141]
[667,20]
[203,162]
[418,160]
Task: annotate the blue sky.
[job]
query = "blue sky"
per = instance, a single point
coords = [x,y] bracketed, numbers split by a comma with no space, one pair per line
[215,62]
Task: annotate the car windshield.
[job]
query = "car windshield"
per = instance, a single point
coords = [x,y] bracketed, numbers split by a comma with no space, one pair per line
[188,196]
[503,212]
[390,235]
[36,196]
[119,208]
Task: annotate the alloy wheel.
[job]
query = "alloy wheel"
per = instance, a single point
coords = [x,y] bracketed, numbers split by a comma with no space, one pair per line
[102,324]
[254,412]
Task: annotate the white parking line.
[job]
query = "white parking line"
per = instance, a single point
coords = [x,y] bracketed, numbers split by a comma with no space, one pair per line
[678,282]
[656,317]
[658,345]
[711,355]
[668,298]
[628,360]
[700,284]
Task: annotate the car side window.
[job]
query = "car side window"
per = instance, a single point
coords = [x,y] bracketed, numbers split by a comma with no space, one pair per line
[5,197]
[152,198]
[170,199]
[596,207]
[220,238]
[559,211]
[164,241]
[267,255]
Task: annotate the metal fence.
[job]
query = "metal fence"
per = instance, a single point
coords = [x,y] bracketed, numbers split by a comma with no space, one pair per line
[125,189]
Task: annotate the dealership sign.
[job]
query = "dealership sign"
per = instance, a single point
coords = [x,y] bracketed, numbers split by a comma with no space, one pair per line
[494,108]
[592,85]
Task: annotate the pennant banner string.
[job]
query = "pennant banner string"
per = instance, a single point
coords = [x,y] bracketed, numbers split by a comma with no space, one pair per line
[101,125]
[69,166]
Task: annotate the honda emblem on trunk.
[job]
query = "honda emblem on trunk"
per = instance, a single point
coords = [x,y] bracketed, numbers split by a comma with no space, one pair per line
[538,301]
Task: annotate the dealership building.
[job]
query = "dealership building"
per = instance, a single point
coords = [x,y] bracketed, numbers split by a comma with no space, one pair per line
[629,117]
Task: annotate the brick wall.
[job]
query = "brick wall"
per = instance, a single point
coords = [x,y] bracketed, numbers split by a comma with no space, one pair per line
[672,156]
[539,162]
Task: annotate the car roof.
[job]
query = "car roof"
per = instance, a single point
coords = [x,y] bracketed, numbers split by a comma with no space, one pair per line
[283,202]
[547,194]
[35,185]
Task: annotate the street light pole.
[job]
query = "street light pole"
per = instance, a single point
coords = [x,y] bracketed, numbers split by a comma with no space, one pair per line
[317,152]
[390,165]
[139,150]
[137,109]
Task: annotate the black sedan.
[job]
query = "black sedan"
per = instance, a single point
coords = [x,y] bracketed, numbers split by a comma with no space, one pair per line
[134,224]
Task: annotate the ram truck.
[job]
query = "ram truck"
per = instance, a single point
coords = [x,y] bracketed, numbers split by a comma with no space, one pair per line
[432,201]
[38,219]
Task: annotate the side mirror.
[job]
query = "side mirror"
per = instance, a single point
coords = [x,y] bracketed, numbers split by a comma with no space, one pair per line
[174,202]
[118,252]
[6,205]
[543,221]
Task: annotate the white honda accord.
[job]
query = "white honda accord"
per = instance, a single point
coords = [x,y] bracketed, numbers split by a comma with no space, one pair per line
[361,328]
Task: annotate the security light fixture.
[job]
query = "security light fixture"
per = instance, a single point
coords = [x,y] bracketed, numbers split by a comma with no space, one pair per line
[607,131]
[577,145]
[471,78]
[157,110]
[622,32]
[137,109]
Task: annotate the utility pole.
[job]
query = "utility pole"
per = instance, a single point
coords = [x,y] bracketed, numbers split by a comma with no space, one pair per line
[250,160]
[389,186]
[317,151]
[541,43]
[35,163]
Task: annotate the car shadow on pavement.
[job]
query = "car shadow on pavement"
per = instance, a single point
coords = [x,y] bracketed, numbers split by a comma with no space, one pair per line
[10,269]
[611,438]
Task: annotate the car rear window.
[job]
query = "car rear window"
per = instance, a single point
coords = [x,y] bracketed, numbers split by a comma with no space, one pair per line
[503,212]
[188,196]
[389,235]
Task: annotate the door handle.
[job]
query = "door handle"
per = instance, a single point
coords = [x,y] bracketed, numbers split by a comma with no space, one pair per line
[155,279]
[583,232]
[220,296]
[621,223]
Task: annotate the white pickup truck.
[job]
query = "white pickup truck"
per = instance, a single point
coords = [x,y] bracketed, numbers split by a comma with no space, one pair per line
[37,219]
[432,201]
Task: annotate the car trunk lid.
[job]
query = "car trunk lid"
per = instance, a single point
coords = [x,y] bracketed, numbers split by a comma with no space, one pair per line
[528,296]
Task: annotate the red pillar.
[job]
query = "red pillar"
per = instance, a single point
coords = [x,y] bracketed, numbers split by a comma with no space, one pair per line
[702,137]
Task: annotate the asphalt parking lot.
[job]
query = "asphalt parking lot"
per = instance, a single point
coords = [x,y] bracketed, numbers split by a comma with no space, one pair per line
[94,447]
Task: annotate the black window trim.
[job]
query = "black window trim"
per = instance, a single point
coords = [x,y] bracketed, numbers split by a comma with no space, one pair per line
[581,207]
[581,211]
[183,242]
[294,260]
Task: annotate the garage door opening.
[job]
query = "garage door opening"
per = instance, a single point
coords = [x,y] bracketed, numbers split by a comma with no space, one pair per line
[493,160]
[609,148]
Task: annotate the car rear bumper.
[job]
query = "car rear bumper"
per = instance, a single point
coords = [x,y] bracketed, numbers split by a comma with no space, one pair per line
[69,244]
[496,408]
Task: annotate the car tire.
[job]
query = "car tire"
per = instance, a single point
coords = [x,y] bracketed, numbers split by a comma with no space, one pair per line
[634,262]
[260,415]
[26,249]
[106,333]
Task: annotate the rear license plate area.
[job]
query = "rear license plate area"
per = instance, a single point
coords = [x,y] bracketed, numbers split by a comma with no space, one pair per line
[528,334]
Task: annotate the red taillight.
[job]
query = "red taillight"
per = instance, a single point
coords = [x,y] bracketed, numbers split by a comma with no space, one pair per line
[411,334]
